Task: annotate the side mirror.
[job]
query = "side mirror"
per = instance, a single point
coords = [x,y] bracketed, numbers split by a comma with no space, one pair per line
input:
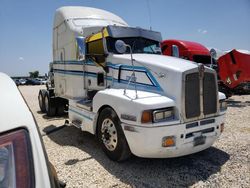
[213,53]
[120,46]
[175,51]
[81,47]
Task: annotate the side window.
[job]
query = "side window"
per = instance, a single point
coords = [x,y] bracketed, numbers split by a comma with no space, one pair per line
[81,48]
[95,47]
[95,50]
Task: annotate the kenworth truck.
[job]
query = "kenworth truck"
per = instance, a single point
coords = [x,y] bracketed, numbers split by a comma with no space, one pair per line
[114,83]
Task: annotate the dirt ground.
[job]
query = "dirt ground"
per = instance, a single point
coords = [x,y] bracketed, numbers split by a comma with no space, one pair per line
[80,161]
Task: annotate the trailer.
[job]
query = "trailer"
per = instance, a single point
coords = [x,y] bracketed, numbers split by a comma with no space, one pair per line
[116,84]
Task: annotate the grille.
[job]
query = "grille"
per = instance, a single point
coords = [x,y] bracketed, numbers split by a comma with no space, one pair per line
[192,95]
[209,94]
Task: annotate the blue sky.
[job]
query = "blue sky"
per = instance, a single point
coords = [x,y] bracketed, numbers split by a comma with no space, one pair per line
[26,25]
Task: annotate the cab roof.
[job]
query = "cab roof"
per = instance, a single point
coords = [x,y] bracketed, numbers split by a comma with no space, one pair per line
[77,12]
[187,45]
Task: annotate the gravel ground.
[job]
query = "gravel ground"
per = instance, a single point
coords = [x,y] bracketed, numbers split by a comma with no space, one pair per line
[80,162]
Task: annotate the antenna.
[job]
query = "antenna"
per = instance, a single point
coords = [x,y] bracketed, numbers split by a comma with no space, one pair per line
[149,15]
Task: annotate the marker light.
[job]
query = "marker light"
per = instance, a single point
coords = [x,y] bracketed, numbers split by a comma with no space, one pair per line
[223,105]
[168,141]
[16,168]
[146,117]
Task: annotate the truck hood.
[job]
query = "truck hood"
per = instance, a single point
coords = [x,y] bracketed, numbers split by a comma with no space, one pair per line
[167,73]
[157,61]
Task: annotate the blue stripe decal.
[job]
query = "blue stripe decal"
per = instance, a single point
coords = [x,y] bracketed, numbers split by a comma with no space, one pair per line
[91,74]
[68,62]
[139,86]
[77,73]
[126,67]
[123,82]
[138,69]
[74,62]
[155,85]
[80,114]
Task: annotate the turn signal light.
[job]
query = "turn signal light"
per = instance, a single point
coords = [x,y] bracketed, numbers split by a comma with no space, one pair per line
[146,117]
[168,141]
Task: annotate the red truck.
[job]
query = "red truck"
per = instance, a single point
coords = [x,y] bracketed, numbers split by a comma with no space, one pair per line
[192,51]
[233,68]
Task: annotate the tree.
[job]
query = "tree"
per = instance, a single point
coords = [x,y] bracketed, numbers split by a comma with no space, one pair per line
[34,74]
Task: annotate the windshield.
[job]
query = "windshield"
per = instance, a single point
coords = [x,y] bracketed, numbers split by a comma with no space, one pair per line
[204,59]
[138,45]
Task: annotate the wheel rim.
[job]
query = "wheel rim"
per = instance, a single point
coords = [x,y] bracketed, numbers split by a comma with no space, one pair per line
[109,134]
[40,100]
[46,102]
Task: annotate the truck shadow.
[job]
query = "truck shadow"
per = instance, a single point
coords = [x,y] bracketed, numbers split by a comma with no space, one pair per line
[237,104]
[141,172]
[60,117]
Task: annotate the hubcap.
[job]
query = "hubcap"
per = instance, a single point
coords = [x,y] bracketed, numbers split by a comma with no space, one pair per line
[109,134]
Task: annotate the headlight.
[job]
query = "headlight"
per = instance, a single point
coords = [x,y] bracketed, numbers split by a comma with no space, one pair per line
[150,116]
[223,105]
[163,114]
[16,168]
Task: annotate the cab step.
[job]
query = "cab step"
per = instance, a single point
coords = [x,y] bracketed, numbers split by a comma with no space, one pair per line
[77,123]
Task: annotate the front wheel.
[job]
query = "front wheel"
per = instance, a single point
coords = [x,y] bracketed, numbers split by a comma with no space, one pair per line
[111,136]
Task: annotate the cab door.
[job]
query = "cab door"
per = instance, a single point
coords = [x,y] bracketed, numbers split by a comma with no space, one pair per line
[95,69]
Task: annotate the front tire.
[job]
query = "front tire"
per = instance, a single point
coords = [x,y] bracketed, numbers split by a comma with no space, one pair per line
[111,136]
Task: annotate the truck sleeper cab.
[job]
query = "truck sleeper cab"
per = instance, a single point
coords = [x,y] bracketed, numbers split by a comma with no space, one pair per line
[135,100]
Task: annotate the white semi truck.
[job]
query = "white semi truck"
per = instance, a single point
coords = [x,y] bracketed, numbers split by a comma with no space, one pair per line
[115,84]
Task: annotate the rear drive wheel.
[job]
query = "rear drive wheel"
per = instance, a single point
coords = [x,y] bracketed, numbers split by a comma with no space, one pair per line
[41,97]
[49,105]
[111,136]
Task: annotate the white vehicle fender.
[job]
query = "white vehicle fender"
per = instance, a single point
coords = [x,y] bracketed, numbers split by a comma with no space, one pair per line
[128,105]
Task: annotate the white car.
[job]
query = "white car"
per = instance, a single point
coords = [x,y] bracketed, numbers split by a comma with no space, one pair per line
[22,81]
[23,160]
